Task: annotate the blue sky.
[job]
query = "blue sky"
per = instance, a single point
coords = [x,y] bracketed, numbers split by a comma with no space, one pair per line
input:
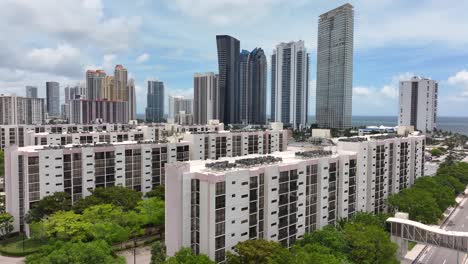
[170,40]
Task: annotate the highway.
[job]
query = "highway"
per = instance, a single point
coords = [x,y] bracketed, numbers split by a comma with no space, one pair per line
[458,221]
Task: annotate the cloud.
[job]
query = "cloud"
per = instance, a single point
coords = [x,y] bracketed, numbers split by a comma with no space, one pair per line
[460,80]
[142,58]
[361,91]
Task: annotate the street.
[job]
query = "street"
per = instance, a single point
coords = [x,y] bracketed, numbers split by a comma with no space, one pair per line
[458,221]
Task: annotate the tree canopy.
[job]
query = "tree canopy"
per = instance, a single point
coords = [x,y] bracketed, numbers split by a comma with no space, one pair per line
[117,195]
[59,201]
[186,256]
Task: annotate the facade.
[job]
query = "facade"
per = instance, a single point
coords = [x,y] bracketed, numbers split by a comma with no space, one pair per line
[183,118]
[15,110]
[53,99]
[335,68]
[31,91]
[220,144]
[206,100]
[290,84]
[95,83]
[74,92]
[40,171]
[83,111]
[243,85]
[131,100]
[155,102]
[212,206]
[228,82]
[178,104]
[109,91]
[418,104]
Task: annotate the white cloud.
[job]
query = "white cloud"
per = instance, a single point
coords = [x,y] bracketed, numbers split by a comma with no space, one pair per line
[142,58]
[460,80]
[361,91]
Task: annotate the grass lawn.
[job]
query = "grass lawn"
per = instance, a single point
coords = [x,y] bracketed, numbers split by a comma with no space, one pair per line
[14,246]
[411,245]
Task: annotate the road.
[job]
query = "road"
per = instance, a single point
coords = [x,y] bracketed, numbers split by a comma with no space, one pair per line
[458,221]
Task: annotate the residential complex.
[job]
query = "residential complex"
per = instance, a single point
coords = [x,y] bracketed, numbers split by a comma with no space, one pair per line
[290,84]
[38,171]
[155,102]
[16,110]
[205,97]
[53,99]
[418,103]
[211,206]
[335,68]
[84,111]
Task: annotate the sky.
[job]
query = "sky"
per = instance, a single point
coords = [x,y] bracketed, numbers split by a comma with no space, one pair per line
[170,40]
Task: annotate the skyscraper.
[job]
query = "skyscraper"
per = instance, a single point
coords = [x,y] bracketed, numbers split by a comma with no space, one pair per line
[418,103]
[178,104]
[155,101]
[290,84]
[120,83]
[95,84]
[131,100]
[257,87]
[335,68]
[228,83]
[108,91]
[31,91]
[205,97]
[53,99]
[15,110]
[243,86]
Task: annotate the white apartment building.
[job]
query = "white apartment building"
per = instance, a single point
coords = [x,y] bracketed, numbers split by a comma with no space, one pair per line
[418,104]
[213,205]
[61,134]
[34,172]
[17,110]
[215,145]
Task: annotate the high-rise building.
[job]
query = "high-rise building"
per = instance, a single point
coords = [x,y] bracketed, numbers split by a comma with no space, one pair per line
[228,83]
[31,91]
[243,86]
[206,102]
[131,100]
[335,68]
[290,84]
[109,92]
[53,99]
[178,104]
[95,84]
[155,101]
[83,111]
[257,87]
[15,110]
[418,103]
[120,83]
[74,92]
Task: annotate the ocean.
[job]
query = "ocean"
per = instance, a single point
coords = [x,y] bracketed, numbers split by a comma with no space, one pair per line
[446,123]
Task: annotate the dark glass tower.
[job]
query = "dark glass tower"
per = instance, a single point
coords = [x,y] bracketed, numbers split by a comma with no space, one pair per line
[257,85]
[229,88]
[155,101]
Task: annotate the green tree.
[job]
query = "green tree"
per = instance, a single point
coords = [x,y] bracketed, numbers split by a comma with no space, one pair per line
[107,223]
[117,195]
[158,192]
[96,252]
[59,201]
[328,237]
[451,182]
[418,203]
[369,244]
[443,195]
[67,226]
[158,253]
[436,152]
[186,256]
[259,251]
[6,224]
[315,253]
[152,211]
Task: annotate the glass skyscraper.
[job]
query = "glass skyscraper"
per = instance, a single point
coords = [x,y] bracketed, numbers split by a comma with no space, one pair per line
[335,68]
[155,102]
[53,99]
